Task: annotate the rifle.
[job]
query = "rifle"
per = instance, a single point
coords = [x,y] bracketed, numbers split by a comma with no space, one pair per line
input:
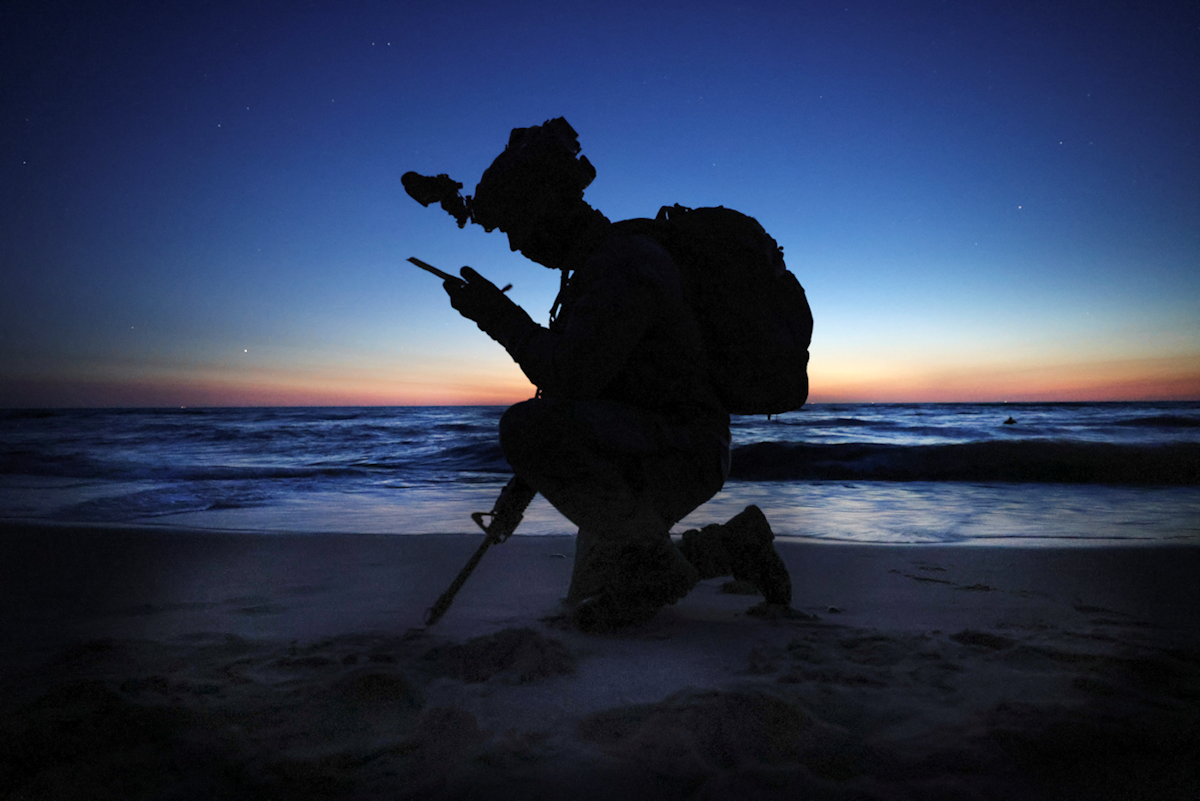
[505,516]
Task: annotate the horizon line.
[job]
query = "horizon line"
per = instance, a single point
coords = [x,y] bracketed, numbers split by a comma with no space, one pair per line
[124,407]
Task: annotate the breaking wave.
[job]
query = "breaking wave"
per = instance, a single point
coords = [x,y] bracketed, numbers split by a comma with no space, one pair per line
[1022,461]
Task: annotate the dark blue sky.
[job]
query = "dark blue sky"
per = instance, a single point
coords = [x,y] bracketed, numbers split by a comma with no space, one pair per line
[985,201]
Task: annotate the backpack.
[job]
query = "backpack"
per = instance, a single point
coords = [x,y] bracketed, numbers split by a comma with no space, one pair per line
[752,312]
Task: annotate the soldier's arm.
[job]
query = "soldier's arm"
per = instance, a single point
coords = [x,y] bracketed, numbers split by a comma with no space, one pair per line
[615,305]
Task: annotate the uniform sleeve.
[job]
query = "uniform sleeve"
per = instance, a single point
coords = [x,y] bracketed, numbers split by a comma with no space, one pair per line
[615,299]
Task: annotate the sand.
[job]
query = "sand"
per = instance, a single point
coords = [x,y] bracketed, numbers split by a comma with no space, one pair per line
[143,663]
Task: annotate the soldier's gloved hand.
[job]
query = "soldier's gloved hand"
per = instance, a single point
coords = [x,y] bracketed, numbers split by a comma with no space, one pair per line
[479,300]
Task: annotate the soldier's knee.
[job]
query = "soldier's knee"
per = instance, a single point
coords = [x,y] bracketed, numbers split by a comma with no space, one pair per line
[523,427]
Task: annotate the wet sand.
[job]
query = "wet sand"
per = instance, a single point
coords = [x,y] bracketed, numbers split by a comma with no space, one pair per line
[143,663]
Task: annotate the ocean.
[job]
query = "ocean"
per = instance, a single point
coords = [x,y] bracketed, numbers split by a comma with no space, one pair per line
[1059,473]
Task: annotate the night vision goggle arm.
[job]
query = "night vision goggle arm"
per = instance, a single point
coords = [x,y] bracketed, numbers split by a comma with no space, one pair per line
[440,189]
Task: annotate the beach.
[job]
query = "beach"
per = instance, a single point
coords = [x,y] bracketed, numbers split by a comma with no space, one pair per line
[144,662]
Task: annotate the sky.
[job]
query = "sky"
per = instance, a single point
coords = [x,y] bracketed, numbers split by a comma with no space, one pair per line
[200,203]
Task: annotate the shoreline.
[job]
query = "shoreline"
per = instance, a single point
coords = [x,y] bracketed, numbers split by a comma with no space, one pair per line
[999,541]
[297,665]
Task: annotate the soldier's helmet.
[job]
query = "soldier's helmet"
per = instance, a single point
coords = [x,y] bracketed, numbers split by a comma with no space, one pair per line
[538,162]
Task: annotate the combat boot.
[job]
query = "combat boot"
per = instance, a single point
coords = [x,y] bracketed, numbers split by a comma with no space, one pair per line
[743,548]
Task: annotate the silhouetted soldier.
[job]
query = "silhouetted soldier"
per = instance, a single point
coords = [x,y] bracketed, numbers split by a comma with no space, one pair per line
[626,435]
